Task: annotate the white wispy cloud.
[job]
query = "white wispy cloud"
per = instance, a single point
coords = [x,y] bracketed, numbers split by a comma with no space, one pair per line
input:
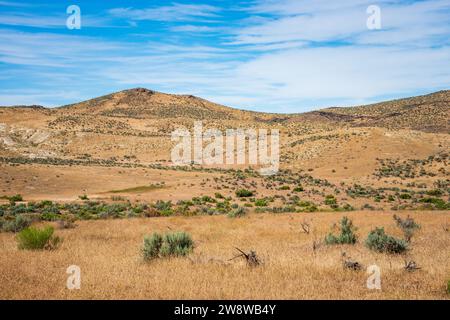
[14,4]
[173,12]
[54,21]
[196,29]
[28,20]
[52,50]
[321,20]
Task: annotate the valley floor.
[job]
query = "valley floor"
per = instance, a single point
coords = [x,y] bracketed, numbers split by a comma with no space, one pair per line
[108,253]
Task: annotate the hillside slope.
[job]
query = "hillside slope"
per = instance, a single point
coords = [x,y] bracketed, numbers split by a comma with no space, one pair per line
[140,103]
[429,113]
[137,123]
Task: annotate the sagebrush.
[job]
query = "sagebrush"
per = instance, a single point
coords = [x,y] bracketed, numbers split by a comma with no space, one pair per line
[347,235]
[379,241]
[171,244]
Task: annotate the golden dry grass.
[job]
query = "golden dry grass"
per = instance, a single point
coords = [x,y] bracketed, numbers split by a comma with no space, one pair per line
[111,266]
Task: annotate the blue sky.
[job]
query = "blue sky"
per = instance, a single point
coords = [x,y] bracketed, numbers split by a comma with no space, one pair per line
[265,55]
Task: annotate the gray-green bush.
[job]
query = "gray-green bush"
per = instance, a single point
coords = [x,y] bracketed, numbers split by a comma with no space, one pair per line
[176,244]
[17,224]
[237,213]
[379,241]
[347,235]
[244,193]
[152,246]
[170,245]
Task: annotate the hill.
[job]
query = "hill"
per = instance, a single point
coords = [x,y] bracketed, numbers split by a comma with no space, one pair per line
[137,123]
[426,113]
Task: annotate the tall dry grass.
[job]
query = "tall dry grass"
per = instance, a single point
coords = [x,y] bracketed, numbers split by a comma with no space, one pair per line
[108,253]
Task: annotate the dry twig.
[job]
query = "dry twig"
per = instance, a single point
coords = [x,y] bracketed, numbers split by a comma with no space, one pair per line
[251,258]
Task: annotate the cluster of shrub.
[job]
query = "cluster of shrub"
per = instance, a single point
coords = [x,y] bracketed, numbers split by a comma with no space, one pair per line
[411,168]
[172,244]
[405,198]
[15,217]
[292,204]
[398,198]
[377,239]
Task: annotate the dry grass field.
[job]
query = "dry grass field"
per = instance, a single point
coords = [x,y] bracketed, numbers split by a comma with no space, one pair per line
[108,253]
[106,164]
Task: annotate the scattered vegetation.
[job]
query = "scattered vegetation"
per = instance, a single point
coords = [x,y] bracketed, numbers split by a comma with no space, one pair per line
[411,168]
[331,201]
[16,224]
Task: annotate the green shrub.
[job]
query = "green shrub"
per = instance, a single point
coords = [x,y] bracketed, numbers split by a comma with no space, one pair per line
[208,199]
[307,206]
[45,203]
[448,286]
[379,241]
[152,246]
[164,208]
[163,205]
[51,213]
[244,193]
[223,207]
[237,213]
[83,197]
[298,189]
[347,235]
[435,193]
[437,203]
[37,239]
[15,198]
[170,245]
[177,244]
[18,224]
[261,203]
[331,201]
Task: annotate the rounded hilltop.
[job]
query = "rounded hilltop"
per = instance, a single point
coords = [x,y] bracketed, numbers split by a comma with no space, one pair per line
[139,90]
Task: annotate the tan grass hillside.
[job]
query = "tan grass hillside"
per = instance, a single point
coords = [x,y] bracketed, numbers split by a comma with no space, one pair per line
[100,172]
